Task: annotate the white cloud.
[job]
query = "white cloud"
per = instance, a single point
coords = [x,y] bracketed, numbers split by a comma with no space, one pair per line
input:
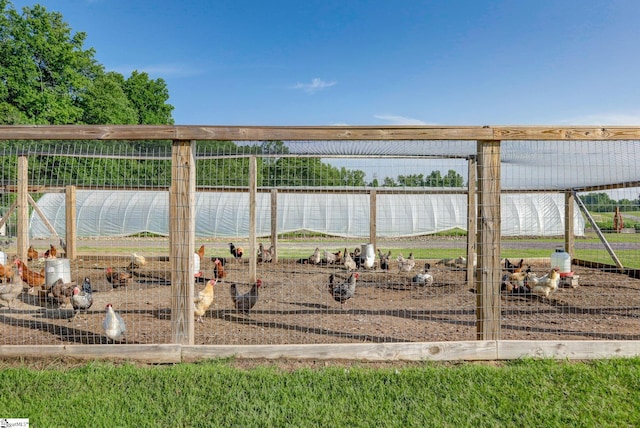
[400,120]
[612,119]
[316,85]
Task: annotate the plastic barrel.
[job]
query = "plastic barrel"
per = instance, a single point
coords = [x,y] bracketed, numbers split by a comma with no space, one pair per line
[55,269]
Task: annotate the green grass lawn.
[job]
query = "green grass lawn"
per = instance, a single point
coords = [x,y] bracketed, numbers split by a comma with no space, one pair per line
[540,393]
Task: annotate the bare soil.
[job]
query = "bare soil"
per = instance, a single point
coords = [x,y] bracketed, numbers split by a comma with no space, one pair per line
[295,307]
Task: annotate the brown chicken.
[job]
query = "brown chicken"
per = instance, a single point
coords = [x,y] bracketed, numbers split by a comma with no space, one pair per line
[32,278]
[61,293]
[200,253]
[6,273]
[203,300]
[32,254]
[218,269]
[52,252]
[118,279]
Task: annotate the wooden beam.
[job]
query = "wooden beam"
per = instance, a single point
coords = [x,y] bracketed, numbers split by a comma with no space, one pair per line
[274,225]
[472,238]
[346,133]
[253,186]
[71,230]
[373,218]
[604,241]
[569,212]
[182,240]
[43,217]
[22,238]
[6,215]
[488,270]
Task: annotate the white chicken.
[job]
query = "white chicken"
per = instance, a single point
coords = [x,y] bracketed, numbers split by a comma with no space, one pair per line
[405,265]
[113,324]
[544,285]
[138,260]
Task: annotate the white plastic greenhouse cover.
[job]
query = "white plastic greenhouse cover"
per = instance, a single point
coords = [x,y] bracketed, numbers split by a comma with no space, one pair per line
[125,213]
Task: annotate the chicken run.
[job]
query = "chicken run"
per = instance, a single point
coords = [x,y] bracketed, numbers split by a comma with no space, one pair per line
[297,301]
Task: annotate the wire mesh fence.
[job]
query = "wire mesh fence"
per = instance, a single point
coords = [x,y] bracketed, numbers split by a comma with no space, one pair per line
[338,242]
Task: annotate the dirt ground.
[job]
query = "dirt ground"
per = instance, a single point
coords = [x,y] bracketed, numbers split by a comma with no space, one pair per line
[295,307]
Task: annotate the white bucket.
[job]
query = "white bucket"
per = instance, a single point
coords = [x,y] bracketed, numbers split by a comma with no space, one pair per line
[561,259]
[196,265]
[55,269]
[368,255]
[3,258]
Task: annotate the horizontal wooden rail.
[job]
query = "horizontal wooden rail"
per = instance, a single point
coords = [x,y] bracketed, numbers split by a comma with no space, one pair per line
[303,133]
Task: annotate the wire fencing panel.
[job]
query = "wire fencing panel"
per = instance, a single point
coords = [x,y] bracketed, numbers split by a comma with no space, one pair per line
[393,219]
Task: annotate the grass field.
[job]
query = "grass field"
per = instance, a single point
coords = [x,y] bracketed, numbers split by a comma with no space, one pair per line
[540,393]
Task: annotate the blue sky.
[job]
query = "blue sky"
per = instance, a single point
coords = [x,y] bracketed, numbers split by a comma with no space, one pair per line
[345,62]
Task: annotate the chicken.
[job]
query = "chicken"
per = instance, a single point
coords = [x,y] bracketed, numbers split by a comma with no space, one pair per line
[222,260]
[331,258]
[51,253]
[424,278]
[511,267]
[200,253]
[137,261]
[32,278]
[61,293]
[11,288]
[349,263]
[515,282]
[6,273]
[264,255]
[203,300]
[544,285]
[218,269]
[32,254]
[244,302]
[236,252]
[81,300]
[405,265]
[314,258]
[384,259]
[344,291]
[118,279]
[113,324]
[63,245]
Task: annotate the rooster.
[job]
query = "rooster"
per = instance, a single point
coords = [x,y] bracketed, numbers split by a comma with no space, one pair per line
[203,300]
[113,324]
[349,263]
[405,265]
[218,269]
[384,259]
[117,279]
[32,278]
[61,293]
[32,254]
[236,252]
[200,253]
[51,253]
[344,291]
[264,255]
[424,278]
[81,300]
[546,284]
[244,302]
[11,288]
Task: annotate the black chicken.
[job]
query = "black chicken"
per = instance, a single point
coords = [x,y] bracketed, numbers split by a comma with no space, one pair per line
[244,302]
[344,291]
[236,252]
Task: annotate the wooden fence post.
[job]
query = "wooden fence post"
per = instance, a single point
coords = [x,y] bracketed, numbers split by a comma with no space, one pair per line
[488,272]
[182,240]
[274,225]
[70,222]
[22,238]
[569,212]
[253,190]
[472,239]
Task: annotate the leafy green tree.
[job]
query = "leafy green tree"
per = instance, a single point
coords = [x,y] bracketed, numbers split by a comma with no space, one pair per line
[149,97]
[389,182]
[412,180]
[106,103]
[598,202]
[453,179]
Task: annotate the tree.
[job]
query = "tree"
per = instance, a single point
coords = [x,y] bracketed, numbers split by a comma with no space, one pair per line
[106,103]
[149,97]
[44,67]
